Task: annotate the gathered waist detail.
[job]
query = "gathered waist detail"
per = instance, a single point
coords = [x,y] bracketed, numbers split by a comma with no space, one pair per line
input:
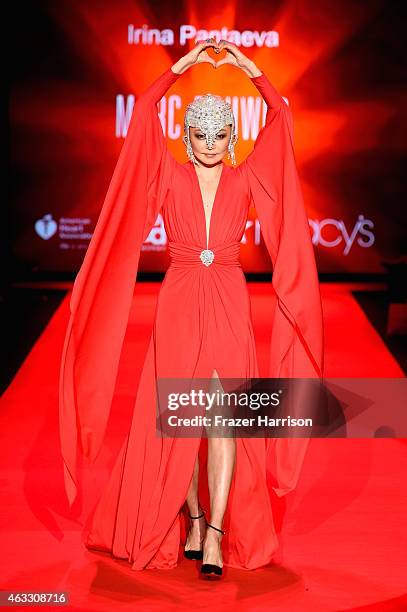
[189,255]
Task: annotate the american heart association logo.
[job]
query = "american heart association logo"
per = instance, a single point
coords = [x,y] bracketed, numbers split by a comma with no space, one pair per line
[46,227]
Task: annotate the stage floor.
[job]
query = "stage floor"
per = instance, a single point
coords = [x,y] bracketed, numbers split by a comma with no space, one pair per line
[343,535]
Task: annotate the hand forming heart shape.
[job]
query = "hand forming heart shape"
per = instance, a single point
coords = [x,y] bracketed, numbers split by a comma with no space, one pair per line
[233,55]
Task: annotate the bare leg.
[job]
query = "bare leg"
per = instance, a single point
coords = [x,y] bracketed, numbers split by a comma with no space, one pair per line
[198,526]
[221,462]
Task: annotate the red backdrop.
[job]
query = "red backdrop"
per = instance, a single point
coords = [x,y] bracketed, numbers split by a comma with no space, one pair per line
[81,65]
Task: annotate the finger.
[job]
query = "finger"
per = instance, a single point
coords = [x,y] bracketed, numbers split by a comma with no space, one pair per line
[201,44]
[230,48]
[207,59]
[211,42]
[219,47]
[204,41]
[225,60]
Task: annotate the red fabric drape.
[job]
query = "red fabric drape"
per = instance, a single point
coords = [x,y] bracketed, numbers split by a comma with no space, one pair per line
[103,289]
[296,347]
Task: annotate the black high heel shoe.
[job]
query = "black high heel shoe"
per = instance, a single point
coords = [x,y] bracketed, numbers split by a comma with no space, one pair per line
[210,569]
[195,554]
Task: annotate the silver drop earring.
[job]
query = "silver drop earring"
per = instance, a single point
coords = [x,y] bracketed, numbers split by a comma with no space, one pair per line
[231,148]
[190,152]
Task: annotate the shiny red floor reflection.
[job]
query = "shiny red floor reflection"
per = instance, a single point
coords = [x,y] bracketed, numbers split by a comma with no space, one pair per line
[342,532]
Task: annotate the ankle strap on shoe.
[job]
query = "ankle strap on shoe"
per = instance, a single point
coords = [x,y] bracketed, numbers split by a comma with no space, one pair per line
[216,528]
[199,516]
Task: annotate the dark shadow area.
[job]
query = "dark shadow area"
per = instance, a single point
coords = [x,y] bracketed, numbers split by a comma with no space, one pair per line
[375,305]
[24,314]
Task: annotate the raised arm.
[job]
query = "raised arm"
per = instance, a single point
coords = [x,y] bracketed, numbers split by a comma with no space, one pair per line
[278,132]
[275,103]
[278,111]
[270,94]
[159,161]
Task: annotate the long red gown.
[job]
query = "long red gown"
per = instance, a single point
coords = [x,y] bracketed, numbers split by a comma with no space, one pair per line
[202,322]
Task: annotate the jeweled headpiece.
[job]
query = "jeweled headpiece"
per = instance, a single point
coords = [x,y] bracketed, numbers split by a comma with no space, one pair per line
[210,113]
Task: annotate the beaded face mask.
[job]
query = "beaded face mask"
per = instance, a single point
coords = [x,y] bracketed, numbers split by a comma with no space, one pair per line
[209,113]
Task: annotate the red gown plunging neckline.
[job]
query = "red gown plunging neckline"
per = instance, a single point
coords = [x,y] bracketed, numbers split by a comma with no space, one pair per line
[218,188]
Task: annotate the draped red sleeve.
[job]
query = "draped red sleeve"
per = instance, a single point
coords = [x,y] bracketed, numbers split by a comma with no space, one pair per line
[296,346]
[103,289]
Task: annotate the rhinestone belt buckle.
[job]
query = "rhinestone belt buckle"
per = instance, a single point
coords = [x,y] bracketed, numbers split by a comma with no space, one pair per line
[207,256]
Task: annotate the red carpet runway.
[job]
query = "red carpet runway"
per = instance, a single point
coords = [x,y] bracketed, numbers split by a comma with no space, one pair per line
[342,532]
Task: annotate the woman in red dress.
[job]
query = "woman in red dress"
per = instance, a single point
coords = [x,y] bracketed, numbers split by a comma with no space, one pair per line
[202,329]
